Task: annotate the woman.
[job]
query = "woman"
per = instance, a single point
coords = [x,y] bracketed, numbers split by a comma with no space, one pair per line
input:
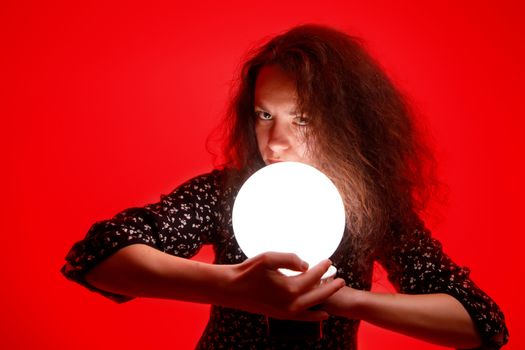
[311,95]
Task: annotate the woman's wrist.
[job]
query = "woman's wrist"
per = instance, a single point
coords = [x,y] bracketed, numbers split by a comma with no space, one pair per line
[347,302]
[358,302]
[224,284]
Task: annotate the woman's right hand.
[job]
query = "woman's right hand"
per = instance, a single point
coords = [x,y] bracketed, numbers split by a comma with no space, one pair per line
[257,286]
[254,285]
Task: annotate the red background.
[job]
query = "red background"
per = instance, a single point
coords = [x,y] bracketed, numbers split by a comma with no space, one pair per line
[106,106]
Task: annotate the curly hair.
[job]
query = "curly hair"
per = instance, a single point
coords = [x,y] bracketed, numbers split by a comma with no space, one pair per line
[362,130]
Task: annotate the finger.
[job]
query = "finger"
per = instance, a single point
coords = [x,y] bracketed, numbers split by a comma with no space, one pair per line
[320,294]
[275,260]
[312,277]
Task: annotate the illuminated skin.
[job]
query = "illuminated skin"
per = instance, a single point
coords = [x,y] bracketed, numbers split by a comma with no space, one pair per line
[279,125]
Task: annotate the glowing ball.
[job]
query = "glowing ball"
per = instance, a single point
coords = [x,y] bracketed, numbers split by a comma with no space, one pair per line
[289,207]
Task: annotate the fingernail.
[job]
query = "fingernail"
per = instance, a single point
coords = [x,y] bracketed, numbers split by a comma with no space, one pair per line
[304,265]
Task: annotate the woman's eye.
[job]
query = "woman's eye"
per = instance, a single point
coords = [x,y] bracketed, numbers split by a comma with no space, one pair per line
[301,121]
[263,115]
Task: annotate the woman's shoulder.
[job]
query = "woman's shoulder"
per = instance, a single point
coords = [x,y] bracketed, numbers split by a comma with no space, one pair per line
[215,182]
[211,178]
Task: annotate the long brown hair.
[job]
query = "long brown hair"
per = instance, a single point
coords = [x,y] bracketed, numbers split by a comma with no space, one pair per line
[363,131]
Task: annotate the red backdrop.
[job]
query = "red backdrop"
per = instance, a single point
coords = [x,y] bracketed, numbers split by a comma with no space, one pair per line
[107,106]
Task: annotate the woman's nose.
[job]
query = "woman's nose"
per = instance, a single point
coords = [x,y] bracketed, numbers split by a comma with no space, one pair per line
[279,138]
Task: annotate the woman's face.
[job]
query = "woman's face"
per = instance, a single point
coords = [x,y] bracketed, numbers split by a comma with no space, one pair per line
[280,127]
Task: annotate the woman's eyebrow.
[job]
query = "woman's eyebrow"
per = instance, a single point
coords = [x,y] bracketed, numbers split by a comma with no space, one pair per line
[262,107]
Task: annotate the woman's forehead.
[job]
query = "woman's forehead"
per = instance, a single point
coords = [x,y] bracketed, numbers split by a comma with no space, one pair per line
[275,76]
[274,85]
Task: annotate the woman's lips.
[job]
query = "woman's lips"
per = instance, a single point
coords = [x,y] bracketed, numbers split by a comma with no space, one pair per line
[272,161]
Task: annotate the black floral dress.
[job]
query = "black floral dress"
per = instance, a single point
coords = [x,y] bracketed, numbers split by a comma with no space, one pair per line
[199,212]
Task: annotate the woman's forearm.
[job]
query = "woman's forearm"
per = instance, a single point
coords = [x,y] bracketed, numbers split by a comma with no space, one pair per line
[254,285]
[142,271]
[437,318]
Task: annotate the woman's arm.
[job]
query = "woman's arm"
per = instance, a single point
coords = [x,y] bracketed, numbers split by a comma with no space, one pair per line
[437,318]
[254,285]
[438,301]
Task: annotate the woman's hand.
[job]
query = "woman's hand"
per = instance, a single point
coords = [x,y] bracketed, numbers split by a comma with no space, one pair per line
[257,286]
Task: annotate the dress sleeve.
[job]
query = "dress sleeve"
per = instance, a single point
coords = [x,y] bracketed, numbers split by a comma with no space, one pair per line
[179,224]
[416,264]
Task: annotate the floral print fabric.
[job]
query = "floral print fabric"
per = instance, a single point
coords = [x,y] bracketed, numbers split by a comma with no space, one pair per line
[199,212]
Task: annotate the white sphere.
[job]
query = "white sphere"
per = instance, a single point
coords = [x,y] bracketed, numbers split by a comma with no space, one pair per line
[289,207]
